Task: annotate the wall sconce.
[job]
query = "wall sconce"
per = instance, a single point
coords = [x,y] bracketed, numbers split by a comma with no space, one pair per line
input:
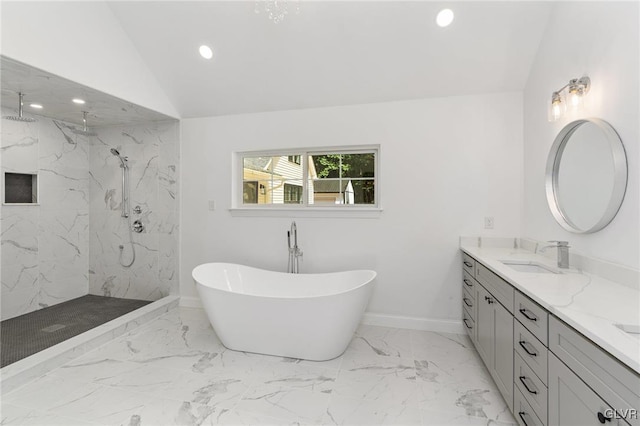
[263,190]
[569,96]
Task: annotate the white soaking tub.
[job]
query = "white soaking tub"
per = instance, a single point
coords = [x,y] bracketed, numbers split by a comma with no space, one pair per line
[306,316]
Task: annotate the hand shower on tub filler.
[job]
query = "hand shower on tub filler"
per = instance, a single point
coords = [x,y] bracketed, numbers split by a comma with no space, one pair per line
[294,251]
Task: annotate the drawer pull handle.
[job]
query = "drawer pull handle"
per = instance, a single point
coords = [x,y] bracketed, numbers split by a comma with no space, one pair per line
[467,264]
[523,343]
[466,281]
[467,325]
[465,300]
[602,418]
[523,311]
[522,379]
[522,414]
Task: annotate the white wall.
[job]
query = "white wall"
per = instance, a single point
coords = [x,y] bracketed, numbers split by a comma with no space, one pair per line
[601,40]
[445,164]
[83,42]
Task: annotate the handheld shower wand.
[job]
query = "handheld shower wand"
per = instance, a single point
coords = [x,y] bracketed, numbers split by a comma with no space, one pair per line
[125,204]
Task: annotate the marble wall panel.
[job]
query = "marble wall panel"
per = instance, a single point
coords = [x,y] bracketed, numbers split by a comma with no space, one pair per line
[45,247]
[149,149]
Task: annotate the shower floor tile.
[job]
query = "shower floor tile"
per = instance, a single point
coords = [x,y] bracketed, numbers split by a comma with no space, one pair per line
[30,333]
[174,370]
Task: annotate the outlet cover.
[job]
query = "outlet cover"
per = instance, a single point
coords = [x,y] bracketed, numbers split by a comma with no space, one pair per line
[488,222]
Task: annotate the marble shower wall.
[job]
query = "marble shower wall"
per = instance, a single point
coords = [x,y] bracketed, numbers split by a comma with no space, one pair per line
[45,247]
[152,150]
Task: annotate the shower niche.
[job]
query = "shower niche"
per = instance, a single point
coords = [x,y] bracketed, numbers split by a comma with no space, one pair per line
[20,188]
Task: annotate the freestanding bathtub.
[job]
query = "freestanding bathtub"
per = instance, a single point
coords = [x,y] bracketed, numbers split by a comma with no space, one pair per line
[307,316]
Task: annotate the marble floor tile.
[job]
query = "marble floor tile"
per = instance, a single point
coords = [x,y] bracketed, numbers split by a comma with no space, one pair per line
[234,417]
[175,371]
[20,416]
[477,397]
[379,365]
[287,404]
[375,387]
[349,411]
[383,341]
[298,376]
[440,418]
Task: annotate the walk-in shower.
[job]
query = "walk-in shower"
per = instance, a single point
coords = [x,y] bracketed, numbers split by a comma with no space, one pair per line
[62,272]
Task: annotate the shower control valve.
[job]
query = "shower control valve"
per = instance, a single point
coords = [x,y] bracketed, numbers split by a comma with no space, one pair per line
[138,226]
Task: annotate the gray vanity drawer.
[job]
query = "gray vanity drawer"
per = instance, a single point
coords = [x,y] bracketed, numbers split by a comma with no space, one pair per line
[498,287]
[468,264]
[532,388]
[469,324]
[614,382]
[469,302]
[522,411]
[532,316]
[533,352]
[468,282]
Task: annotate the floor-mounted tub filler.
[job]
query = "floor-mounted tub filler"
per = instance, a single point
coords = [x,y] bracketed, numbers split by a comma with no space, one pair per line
[306,316]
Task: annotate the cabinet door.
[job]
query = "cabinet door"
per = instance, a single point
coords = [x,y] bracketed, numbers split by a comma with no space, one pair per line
[571,402]
[484,327]
[503,352]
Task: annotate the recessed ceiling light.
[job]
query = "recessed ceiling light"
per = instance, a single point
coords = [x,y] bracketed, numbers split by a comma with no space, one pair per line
[445,17]
[36,106]
[78,101]
[206,52]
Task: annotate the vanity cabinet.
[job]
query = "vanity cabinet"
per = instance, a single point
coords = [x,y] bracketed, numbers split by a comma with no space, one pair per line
[469,305]
[572,402]
[531,360]
[548,373]
[494,339]
[584,380]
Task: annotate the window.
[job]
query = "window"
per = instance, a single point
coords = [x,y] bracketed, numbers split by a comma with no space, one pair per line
[331,177]
[294,158]
[292,194]
[250,192]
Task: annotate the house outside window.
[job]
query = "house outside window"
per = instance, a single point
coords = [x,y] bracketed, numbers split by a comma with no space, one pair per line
[292,194]
[328,177]
[294,158]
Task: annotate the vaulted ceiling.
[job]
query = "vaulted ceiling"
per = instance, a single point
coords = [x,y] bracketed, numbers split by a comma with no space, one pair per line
[331,52]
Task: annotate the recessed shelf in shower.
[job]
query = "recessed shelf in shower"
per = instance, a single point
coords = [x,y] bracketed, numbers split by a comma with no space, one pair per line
[20,188]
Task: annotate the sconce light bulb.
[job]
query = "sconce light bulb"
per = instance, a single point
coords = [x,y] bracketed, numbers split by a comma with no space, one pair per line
[557,107]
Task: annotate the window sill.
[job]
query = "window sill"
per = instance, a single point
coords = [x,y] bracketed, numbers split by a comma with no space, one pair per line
[318,212]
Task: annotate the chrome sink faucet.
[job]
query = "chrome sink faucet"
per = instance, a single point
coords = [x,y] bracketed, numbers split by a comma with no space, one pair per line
[562,248]
[295,252]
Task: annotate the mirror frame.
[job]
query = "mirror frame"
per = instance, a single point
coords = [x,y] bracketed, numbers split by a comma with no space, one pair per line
[620,175]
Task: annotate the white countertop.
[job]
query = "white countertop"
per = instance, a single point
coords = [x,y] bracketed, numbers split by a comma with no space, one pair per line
[588,303]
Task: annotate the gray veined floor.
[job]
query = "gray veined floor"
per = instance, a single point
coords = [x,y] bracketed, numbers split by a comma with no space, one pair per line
[174,371]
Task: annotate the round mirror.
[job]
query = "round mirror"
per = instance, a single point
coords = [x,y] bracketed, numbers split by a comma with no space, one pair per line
[586,175]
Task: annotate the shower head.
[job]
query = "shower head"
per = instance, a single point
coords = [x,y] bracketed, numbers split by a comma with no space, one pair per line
[19,117]
[123,160]
[84,131]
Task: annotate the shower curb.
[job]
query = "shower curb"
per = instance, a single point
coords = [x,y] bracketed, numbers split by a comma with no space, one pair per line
[38,364]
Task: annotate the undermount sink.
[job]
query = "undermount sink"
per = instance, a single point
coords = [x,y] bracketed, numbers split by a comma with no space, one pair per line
[529,267]
[632,329]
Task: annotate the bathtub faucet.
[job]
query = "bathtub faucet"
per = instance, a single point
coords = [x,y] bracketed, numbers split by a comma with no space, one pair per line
[294,250]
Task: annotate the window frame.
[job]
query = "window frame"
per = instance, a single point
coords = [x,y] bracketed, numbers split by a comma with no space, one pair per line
[240,209]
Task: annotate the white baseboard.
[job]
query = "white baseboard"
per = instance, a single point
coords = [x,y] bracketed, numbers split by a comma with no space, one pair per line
[413,323]
[394,321]
[190,302]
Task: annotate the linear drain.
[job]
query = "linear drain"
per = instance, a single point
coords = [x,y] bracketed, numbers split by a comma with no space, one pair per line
[54,327]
